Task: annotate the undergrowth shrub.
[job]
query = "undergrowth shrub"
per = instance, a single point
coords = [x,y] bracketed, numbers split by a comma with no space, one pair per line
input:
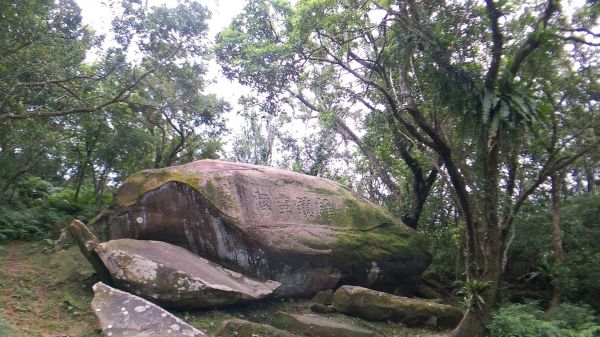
[37,207]
[528,320]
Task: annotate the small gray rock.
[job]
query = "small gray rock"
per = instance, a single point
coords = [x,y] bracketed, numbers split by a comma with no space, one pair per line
[321,308]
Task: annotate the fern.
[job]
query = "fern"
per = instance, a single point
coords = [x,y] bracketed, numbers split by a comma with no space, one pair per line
[528,320]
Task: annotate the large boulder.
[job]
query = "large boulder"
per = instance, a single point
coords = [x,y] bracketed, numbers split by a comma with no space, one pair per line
[378,306]
[122,314]
[305,232]
[174,277]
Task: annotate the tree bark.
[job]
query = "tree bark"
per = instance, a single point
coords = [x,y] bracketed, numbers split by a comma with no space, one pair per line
[473,323]
[559,253]
[589,173]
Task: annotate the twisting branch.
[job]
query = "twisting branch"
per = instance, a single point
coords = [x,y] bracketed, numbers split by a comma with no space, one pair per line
[347,133]
[580,30]
[534,39]
[548,169]
[579,39]
[120,96]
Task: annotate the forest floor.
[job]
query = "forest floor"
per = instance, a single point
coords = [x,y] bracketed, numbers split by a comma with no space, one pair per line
[47,294]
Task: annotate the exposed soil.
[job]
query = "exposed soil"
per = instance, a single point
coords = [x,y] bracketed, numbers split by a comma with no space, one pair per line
[47,294]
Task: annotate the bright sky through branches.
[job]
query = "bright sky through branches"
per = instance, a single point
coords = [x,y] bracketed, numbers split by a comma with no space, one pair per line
[99,15]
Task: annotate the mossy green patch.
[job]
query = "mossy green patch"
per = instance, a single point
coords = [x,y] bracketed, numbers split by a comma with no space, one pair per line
[70,265]
[139,183]
[324,191]
[374,235]
[216,195]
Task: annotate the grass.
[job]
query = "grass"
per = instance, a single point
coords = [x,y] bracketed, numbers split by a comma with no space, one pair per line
[6,329]
[36,300]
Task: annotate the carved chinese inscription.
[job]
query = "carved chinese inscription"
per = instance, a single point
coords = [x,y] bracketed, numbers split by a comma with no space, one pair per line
[304,207]
[325,207]
[262,202]
[286,207]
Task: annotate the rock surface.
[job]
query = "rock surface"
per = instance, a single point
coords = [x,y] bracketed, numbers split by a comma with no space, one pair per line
[321,308]
[323,297]
[122,314]
[378,306]
[175,277]
[315,326]
[305,232]
[242,328]
[69,265]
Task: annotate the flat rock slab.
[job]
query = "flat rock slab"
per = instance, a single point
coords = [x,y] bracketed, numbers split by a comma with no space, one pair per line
[174,277]
[122,314]
[241,328]
[379,306]
[315,326]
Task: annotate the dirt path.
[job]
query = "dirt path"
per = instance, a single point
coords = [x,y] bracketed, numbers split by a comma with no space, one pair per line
[37,303]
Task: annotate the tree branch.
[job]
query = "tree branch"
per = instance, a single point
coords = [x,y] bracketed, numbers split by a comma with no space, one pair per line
[115,99]
[534,39]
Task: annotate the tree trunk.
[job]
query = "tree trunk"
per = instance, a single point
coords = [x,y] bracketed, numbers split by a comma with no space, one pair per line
[79,181]
[589,173]
[471,325]
[559,253]
[475,320]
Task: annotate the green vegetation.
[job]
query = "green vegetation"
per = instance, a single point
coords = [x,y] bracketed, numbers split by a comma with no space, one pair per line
[528,320]
[6,329]
[38,208]
[141,182]
[43,293]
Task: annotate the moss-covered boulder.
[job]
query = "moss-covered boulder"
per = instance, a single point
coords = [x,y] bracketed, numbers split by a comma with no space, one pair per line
[378,306]
[305,232]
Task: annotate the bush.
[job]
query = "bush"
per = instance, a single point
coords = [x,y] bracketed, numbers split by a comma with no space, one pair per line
[528,320]
[39,206]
